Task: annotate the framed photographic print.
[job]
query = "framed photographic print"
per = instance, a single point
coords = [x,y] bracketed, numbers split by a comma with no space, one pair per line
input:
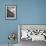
[10,11]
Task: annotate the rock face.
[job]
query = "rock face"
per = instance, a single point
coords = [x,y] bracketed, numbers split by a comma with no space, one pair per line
[9,13]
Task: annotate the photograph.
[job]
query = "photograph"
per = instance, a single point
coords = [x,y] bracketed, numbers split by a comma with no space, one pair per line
[10,12]
[31,33]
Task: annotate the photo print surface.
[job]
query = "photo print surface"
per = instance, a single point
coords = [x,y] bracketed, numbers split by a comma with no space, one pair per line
[11,12]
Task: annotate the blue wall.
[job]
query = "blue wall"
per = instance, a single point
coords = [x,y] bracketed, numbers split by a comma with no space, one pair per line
[28,12]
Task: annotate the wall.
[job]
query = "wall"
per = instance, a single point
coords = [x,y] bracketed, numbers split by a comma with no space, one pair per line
[28,12]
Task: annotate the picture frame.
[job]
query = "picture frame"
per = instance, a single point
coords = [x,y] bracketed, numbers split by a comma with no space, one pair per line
[10,12]
[37,29]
